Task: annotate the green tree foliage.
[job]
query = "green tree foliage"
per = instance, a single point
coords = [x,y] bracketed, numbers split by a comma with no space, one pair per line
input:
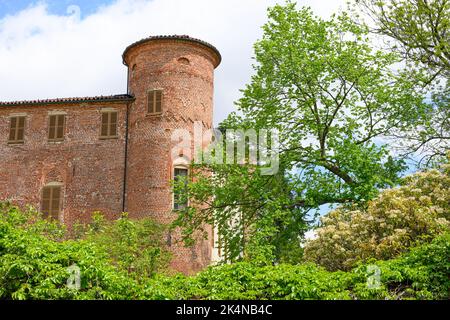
[330,95]
[422,273]
[253,213]
[397,219]
[113,257]
[134,246]
[418,30]
[430,140]
[34,261]
[33,265]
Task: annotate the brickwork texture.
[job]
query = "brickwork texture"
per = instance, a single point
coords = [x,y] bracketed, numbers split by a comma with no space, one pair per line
[130,172]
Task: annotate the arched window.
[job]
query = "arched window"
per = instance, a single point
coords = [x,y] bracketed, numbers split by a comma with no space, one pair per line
[51,200]
[180,201]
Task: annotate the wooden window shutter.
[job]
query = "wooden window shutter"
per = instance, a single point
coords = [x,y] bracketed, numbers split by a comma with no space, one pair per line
[56,127]
[158,101]
[20,129]
[60,121]
[155,101]
[46,192]
[109,125]
[151,99]
[113,124]
[12,131]
[51,199]
[52,128]
[105,130]
[17,130]
[56,197]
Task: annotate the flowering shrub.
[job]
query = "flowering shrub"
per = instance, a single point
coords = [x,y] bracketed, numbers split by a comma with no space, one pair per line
[397,219]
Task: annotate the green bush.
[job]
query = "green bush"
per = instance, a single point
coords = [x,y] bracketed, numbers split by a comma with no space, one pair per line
[422,273]
[134,246]
[32,266]
[245,281]
[112,257]
[34,262]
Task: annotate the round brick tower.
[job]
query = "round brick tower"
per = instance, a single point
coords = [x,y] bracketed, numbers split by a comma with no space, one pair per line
[172,80]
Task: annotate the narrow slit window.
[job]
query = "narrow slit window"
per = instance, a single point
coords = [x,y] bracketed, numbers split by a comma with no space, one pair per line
[155,101]
[56,127]
[180,200]
[51,200]
[17,130]
[109,125]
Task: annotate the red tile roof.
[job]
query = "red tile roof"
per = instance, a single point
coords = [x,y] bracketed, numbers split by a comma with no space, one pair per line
[175,37]
[112,98]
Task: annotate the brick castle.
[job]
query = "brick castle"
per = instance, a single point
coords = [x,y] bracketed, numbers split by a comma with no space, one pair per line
[70,157]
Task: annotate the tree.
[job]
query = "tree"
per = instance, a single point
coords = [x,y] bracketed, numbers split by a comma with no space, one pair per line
[331,96]
[420,28]
[394,221]
[419,31]
[133,246]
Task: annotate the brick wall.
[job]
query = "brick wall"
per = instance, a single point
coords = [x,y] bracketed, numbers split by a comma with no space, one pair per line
[90,169]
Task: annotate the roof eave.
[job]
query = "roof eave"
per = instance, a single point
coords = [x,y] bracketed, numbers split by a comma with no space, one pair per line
[73,102]
[175,38]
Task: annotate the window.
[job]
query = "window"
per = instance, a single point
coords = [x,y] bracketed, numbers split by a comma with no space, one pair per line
[56,127]
[109,125]
[51,196]
[179,197]
[17,130]
[155,101]
[184,60]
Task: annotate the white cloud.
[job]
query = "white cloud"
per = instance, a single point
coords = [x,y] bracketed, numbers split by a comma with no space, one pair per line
[46,56]
[310,235]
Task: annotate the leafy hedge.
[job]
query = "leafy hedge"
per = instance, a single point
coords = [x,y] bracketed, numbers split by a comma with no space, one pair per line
[34,258]
[32,266]
[134,246]
[423,273]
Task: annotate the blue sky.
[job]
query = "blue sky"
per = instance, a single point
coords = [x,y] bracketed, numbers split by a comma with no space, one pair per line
[59,7]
